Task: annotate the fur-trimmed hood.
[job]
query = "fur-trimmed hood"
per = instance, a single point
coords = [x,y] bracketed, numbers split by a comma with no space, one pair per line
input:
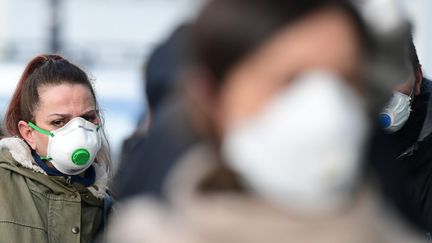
[21,156]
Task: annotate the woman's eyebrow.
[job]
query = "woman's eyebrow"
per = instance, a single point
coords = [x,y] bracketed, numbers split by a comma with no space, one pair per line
[90,112]
[70,115]
[59,114]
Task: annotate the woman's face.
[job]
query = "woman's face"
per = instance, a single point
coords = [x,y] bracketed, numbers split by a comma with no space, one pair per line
[325,39]
[57,106]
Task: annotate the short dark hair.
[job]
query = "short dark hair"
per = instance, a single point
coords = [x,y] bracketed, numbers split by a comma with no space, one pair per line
[413,55]
[165,65]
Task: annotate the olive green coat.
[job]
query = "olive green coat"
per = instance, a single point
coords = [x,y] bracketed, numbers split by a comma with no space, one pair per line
[35,207]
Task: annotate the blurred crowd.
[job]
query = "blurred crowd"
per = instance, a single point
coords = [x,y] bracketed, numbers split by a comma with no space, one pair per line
[268,121]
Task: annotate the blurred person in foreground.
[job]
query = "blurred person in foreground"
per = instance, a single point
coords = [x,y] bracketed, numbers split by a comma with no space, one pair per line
[55,161]
[149,154]
[281,112]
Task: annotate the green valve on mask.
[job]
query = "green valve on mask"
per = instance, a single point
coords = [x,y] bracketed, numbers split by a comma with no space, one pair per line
[80,156]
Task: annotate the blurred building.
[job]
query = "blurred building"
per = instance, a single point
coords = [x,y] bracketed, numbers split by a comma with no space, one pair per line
[110,39]
[419,11]
[117,32]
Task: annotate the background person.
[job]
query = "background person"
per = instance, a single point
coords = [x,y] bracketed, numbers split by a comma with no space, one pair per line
[149,155]
[55,162]
[406,117]
[401,151]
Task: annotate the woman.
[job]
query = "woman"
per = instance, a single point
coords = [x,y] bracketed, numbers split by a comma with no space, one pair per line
[280,107]
[54,165]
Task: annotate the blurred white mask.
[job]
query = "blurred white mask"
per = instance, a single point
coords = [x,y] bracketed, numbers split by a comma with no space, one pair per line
[303,150]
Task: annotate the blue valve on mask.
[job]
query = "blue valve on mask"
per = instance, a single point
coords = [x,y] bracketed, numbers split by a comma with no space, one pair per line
[385,120]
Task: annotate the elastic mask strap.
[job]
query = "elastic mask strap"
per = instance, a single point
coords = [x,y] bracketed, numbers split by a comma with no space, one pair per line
[43,131]
[411,95]
[45,157]
[412,91]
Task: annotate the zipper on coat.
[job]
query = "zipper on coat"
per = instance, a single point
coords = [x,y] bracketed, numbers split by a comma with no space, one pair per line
[68,179]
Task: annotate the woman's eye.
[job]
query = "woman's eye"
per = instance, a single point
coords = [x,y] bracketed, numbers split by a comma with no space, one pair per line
[89,118]
[58,123]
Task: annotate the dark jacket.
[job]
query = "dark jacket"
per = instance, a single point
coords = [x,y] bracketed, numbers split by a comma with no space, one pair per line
[403,161]
[147,159]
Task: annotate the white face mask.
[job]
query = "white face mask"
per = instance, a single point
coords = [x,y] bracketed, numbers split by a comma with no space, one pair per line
[72,148]
[303,150]
[397,112]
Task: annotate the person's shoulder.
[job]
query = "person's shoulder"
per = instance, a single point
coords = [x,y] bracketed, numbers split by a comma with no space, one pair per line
[426,85]
[146,214]
[13,148]
[16,153]
[11,183]
[3,172]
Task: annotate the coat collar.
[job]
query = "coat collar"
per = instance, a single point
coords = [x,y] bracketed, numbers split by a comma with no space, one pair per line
[21,153]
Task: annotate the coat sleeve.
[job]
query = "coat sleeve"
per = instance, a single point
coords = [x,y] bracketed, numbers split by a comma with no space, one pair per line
[19,218]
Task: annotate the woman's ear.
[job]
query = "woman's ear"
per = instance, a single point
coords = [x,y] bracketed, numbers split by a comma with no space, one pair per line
[202,94]
[27,133]
[419,79]
[201,91]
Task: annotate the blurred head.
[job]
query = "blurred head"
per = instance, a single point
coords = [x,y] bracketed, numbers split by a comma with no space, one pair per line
[253,49]
[398,109]
[412,85]
[165,65]
[51,92]
[282,90]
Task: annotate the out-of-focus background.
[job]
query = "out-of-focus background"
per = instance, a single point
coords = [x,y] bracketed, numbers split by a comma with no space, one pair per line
[111,40]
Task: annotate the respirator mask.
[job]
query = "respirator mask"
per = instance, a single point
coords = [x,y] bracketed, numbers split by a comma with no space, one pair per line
[397,112]
[73,147]
[303,149]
